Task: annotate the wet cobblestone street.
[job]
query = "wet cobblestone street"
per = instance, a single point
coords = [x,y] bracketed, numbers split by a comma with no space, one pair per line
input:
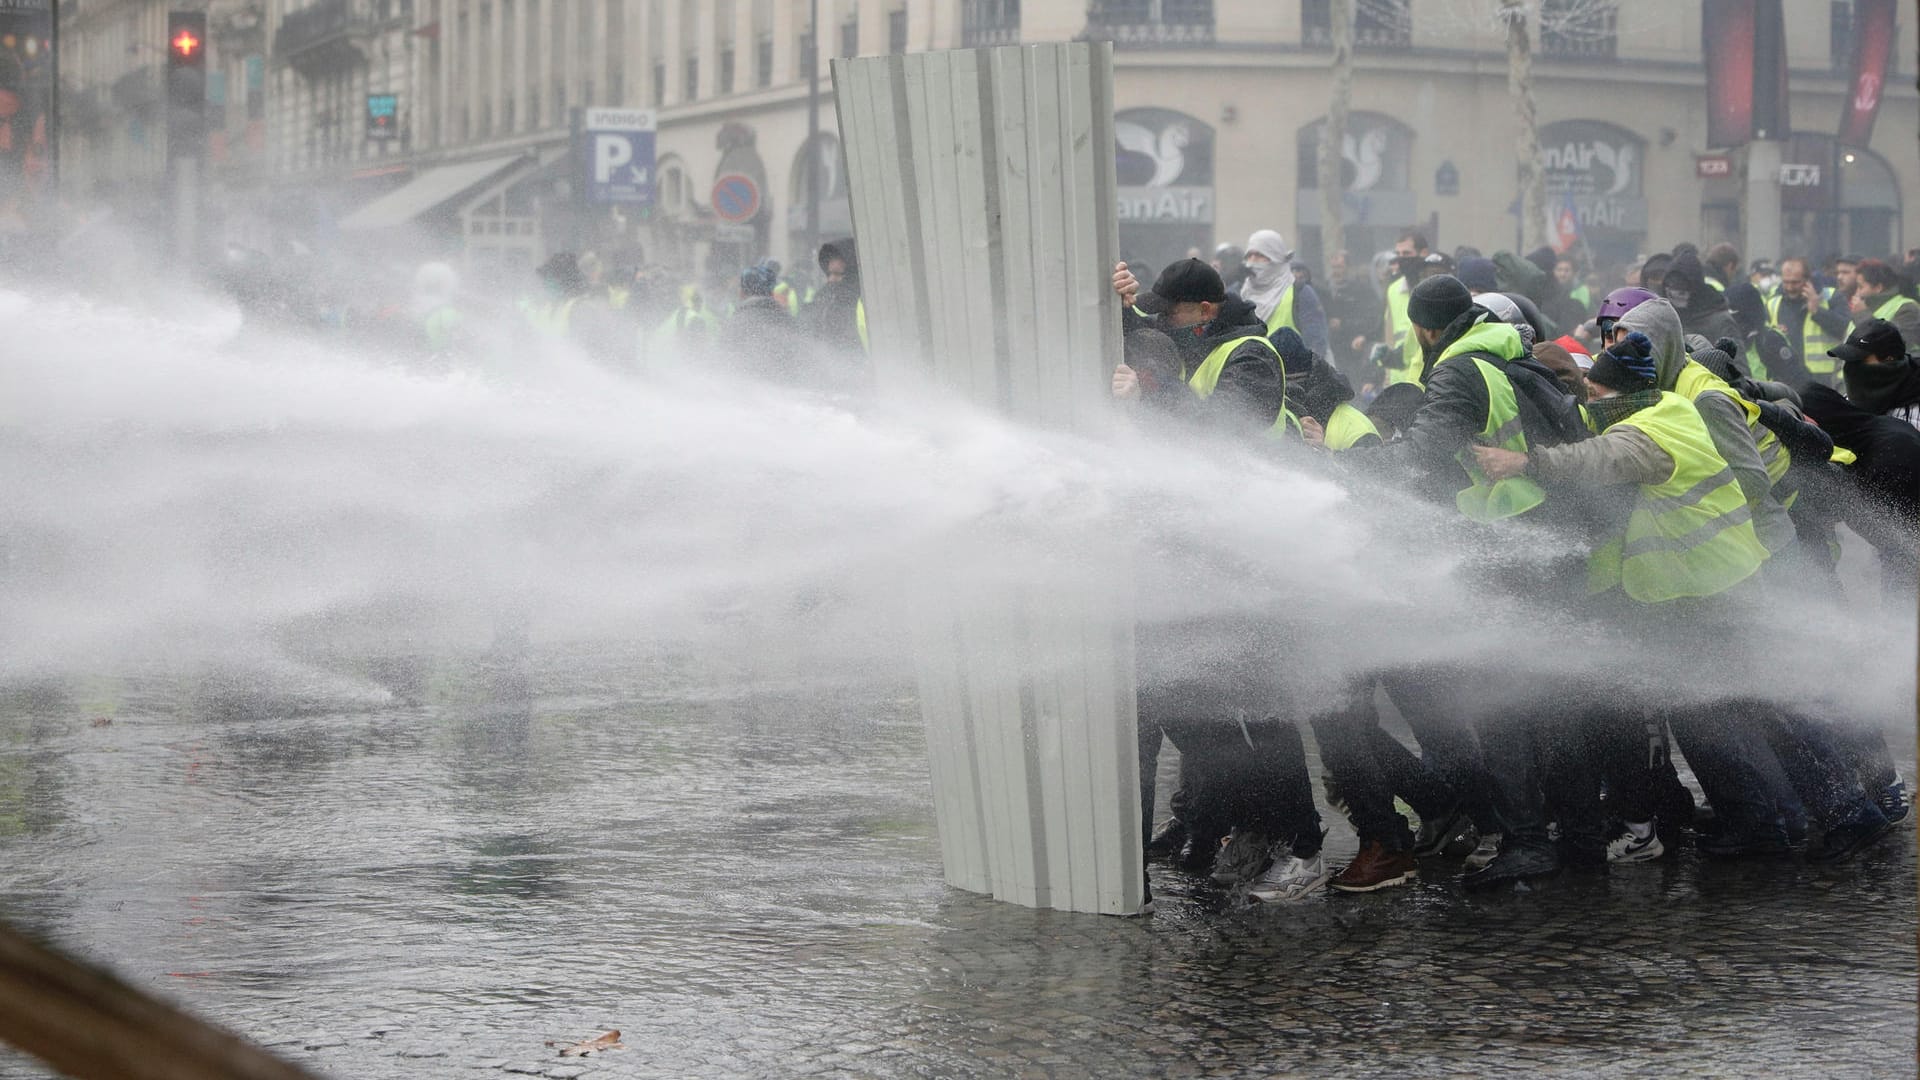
[748,884]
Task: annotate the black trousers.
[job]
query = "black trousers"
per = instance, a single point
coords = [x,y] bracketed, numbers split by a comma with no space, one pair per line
[1371,767]
[1236,773]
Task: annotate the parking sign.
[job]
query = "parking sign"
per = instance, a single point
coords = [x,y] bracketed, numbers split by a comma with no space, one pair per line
[618,149]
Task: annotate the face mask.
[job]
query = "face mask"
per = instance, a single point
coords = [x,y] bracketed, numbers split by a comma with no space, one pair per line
[1877,387]
[1768,284]
[1679,297]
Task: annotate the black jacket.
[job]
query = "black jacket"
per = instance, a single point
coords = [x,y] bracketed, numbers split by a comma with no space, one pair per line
[1884,494]
[832,316]
[1252,389]
[1314,387]
[1454,410]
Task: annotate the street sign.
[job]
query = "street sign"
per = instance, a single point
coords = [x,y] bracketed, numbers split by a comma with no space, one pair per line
[383,116]
[1713,166]
[618,150]
[736,198]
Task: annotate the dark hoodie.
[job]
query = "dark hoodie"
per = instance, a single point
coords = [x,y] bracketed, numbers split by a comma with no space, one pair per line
[1703,310]
[832,317]
[1314,387]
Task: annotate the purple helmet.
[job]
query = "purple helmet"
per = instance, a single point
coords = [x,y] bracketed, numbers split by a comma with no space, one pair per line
[1621,301]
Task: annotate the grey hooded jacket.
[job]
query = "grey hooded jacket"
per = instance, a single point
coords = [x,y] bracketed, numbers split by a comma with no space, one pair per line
[1726,423]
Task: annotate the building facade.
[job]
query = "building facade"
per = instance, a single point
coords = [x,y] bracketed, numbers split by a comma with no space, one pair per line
[1220,104]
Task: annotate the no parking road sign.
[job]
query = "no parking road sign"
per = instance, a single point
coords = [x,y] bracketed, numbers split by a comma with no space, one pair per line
[618,149]
[736,198]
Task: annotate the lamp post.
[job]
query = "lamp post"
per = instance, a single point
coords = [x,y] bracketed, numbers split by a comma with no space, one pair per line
[813,128]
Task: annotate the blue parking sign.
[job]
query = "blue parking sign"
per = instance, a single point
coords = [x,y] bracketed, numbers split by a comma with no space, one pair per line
[618,149]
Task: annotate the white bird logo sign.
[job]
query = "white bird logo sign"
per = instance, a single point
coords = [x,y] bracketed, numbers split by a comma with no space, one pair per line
[1168,151]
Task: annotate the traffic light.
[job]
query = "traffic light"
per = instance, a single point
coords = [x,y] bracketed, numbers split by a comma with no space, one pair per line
[186,82]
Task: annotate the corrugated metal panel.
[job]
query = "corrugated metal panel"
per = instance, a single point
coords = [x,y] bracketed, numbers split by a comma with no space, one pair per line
[984,208]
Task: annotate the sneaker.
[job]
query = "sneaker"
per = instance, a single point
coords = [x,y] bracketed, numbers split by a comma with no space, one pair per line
[1518,862]
[1168,839]
[1638,843]
[1336,799]
[1892,801]
[1486,852]
[1290,879]
[1376,868]
[1846,841]
[1243,857]
[1450,830]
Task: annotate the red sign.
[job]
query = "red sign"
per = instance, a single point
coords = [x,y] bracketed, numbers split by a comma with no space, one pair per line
[1727,28]
[185,44]
[1872,49]
[736,198]
[1713,167]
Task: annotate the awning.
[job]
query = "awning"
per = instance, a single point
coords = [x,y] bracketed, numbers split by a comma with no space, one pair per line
[425,192]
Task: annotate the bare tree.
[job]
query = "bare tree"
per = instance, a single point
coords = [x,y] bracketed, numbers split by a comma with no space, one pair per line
[1526,144]
[1333,134]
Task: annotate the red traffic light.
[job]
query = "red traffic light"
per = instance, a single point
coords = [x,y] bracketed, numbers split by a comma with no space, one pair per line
[186,39]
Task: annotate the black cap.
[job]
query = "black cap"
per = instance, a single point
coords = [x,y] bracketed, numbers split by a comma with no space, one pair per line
[1437,301]
[1877,337]
[1187,281]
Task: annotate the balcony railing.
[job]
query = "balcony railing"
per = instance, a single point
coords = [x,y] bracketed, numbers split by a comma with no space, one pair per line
[324,36]
[1151,23]
[1385,26]
[989,22]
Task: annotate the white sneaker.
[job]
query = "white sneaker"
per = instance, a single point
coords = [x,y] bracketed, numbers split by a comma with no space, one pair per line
[1482,855]
[1640,843]
[1290,879]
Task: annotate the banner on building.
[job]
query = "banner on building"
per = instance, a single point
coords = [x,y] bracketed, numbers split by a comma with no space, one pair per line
[1746,52]
[616,154]
[26,100]
[1872,53]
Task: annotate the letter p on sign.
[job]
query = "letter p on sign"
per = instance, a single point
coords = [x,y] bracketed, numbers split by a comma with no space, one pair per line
[610,152]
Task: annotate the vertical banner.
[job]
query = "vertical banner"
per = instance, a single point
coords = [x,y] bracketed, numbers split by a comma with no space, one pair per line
[986,210]
[1727,32]
[1771,119]
[26,103]
[1872,53]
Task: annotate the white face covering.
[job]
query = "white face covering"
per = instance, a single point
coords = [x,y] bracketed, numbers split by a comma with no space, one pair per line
[1267,283]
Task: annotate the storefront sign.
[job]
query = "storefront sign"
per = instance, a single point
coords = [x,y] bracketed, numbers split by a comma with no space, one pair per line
[1164,161]
[1713,167]
[1593,169]
[1799,175]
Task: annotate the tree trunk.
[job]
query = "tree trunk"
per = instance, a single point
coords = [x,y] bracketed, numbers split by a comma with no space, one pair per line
[1333,134]
[1533,188]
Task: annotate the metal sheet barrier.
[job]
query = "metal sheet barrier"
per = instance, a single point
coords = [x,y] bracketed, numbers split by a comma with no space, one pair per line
[984,209]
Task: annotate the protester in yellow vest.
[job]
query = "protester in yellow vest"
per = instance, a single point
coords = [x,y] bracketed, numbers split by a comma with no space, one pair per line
[1804,319]
[1404,361]
[1879,295]
[1726,413]
[1317,391]
[1278,298]
[1234,386]
[1226,359]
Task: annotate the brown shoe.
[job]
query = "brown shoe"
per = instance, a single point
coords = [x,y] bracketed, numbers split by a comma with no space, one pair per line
[1376,868]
